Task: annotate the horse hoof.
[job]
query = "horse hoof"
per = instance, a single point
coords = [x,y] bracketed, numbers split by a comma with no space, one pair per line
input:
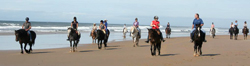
[21,52]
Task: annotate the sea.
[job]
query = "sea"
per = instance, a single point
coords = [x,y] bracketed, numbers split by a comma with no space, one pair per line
[49,41]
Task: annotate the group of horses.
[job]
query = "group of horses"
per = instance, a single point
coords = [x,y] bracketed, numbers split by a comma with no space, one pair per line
[234,31]
[155,39]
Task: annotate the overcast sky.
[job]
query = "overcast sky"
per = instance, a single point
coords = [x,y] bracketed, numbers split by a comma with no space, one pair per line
[177,12]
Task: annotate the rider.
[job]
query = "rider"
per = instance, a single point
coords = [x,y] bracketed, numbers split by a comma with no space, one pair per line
[245,24]
[155,24]
[74,25]
[197,21]
[93,29]
[236,24]
[136,25]
[232,25]
[106,25]
[124,28]
[168,25]
[27,27]
[102,27]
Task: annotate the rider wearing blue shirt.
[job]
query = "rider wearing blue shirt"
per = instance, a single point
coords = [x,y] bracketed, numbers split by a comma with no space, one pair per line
[106,25]
[197,21]
[236,24]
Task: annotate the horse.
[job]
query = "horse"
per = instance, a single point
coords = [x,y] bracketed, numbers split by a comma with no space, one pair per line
[212,32]
[23,37]
[236,32]
[93,35]
[102,38]
[125,30]
[155,41]
[74,37]
[231,32]
[135,34]
[198,40]
[168,32]
[245,31]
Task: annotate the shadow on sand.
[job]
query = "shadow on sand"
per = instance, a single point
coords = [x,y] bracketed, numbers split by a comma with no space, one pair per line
[144,45]
[87,51]
[111,48]
[114,46]
[39,52]
[210,54]
[168,54]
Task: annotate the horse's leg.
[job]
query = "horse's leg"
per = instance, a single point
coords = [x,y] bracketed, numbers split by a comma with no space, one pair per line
[152,50]
[155,49]
[200,47]
[133,41]
[137,41]
[74,44]
[195,48]
[159,48]
[70,45]
[25,45]
[21,44]
[30,44]
[98,43]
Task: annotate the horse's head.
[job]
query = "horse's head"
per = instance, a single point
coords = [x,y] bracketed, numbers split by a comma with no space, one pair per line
[17,34]
[197,33]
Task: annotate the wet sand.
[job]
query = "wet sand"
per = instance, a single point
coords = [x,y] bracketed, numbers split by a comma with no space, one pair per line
[220,51]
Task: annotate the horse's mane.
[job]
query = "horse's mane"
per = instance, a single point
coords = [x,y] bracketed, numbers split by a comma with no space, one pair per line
[21,33]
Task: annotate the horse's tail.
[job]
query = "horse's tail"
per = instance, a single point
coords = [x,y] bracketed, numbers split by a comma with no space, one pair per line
[33,35]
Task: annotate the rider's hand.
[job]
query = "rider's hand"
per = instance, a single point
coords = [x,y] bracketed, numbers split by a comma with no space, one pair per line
[26,29]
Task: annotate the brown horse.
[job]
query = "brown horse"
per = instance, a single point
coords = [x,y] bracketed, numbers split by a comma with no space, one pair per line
[168,32]
[93,35]
[23,37]
[155,41]
[245,31]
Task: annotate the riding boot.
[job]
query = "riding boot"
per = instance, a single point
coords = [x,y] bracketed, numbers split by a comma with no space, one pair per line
[191,37]
[68,38]
[204,37]
[147,40]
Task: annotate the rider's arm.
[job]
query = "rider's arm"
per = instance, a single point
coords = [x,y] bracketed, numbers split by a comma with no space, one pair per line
[76,25]
[151,24]
[71,25]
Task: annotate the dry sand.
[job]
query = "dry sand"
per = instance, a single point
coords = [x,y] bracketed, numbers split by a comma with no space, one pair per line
[220,51]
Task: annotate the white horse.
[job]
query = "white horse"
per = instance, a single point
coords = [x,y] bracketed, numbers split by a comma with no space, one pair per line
[135,35]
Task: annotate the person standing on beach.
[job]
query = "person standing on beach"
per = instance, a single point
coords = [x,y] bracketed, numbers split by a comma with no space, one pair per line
[74,25]
[124,30]
[27,27]
[197,21]
[155,24]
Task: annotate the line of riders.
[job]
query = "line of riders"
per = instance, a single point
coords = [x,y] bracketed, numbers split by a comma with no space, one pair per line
[155,24]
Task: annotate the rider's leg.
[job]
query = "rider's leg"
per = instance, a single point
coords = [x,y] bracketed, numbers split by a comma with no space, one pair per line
[29,35]
[204,35]
[147,40]
[139,33]
[192,35]
[161,36]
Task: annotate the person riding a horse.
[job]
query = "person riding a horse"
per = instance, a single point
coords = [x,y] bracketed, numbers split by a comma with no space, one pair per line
[93,29]
[105,22]
[136,25]
[74,25]
[103,28]
[27,27]
[236,24]
[197,21]
[168,25]
[155,24]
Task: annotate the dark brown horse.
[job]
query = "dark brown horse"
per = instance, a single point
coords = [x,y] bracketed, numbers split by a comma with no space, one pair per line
[102,38]
[198,40]
[23,37]
[168,32]
[155,41]
[245,31]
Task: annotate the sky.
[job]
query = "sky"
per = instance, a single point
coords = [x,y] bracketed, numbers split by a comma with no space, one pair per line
[177,12]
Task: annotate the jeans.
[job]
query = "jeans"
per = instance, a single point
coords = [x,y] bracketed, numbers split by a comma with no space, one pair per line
[29,34]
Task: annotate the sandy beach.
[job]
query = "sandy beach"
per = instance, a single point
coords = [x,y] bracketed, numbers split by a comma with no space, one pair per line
[220,51]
